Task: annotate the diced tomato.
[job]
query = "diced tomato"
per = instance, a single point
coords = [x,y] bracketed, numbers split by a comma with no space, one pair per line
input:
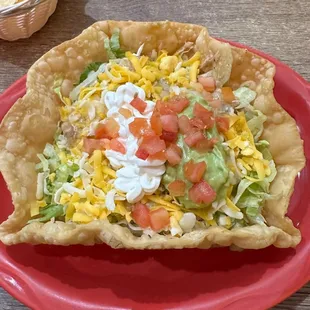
[205,145]
[215,104]
[197,123]
[163,108]
[101,132]
[184,124]
[153,144]
[109,129]
[228,95]
[207,82]
[178,103]
[139,126]
[89,145]
[194,171]
[173,154]
[202,192]
[177,188]
[156,123]
[222,123]
[159,219]
[193,138]
[149,133]
[125,112]
[105,143]
[159,104]
[117,146]
[158,156]
[169,136]
[207,96]
[142,153]
[205,115]
[169,123]
[141,215]
[139,104]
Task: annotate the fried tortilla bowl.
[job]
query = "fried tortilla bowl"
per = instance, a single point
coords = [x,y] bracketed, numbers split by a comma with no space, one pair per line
[32,122]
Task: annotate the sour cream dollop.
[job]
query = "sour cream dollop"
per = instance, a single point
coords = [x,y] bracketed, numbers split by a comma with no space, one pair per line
[135,177]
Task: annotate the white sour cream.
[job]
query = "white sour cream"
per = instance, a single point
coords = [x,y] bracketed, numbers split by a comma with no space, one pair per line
[135,177]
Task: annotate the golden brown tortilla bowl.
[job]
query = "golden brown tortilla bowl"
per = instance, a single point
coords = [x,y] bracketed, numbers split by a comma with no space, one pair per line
[32,122]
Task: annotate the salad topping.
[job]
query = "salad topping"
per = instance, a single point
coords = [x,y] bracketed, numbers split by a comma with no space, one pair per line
[151,143]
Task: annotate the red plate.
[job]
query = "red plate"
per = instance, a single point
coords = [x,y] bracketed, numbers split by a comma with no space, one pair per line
[98,277]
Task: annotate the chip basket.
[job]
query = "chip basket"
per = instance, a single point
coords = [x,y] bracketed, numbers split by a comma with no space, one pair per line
[21,20]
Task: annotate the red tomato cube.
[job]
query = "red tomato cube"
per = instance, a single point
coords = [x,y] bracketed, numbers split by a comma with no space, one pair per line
[141,215]
[169,123]
[194,171]
[169,136]
[205,145]
[177,188]
[138,126]
[139,104]
[202,192]
[117,146]
[222,123]
[178,103]
[184,124]
[173,154]
[159,219]
[109,129]
[156,123]
[193,138]
[204,114]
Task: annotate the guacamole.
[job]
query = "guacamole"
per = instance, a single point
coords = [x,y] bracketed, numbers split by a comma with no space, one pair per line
[216,173]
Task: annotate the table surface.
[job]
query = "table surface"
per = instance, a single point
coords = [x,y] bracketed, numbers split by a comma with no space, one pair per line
[279,28]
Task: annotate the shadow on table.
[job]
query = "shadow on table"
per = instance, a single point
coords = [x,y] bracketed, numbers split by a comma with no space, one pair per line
[67,22]
[147,276]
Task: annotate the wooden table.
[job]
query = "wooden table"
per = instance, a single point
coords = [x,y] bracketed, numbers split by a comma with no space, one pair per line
[280,28]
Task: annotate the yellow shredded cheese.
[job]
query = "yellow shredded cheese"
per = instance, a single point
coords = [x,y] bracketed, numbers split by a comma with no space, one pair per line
[81,218]
[167,205]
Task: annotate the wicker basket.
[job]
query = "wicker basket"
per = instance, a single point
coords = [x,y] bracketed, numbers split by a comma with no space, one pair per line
[22,20]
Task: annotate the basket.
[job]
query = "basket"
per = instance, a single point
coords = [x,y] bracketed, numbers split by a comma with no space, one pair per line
[25,18]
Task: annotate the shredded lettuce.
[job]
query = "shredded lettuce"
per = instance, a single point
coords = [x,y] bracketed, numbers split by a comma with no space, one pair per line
[92,67]
[91,79]
[112,46]
[255,121]
[56,174]
[49,151]
[265,184]
[57,89]
[263,147]
[113,50]
[245,96]
[250,196]
[108,49]
[49,159]
[115,44]
[259,189]
[43,165]
[64,173]
[243,185]
[49,212]
[256,219]
[250,201]
[251,204]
